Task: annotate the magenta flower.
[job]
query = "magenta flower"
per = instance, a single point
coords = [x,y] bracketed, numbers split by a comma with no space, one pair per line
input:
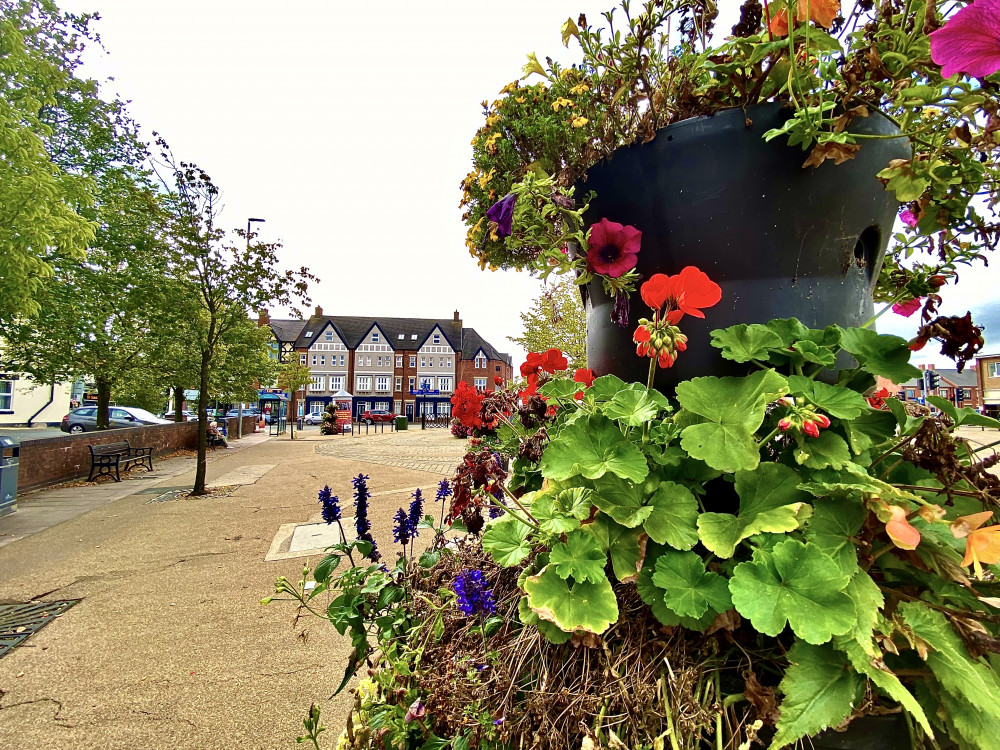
[613,248]
[906,309]
[909,218]
[502,213]
[970,41]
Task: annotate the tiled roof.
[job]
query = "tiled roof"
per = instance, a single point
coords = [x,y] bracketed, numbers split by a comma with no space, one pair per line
[287,330]
[472,342]
[352,329]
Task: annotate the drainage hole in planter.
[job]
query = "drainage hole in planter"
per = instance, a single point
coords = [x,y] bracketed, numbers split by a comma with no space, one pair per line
[866,248]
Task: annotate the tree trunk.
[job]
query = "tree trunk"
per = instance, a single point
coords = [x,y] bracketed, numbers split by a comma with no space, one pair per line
[292,414]
[178,404]
[200,474]
[103,400]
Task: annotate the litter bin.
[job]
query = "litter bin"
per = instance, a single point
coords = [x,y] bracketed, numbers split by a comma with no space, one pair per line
[10,456]
[401,423]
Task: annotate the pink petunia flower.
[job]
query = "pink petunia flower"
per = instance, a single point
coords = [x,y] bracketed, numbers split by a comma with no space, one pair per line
[970,41]
[613,248]
[909,218]
[906,309]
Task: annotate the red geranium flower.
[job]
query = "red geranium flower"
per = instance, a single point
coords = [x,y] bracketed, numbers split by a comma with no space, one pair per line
[685,292]
[613,248]
[553,361]
[497,380]
[584,376]
[466,405]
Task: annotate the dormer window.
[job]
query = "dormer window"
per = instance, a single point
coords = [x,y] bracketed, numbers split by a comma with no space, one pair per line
[402,336]
[375,337]
[309,334]
[480,361]
[413,337]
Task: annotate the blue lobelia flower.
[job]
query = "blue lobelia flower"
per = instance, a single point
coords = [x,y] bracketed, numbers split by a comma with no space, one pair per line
[502,212]
[331,505]
[474,594]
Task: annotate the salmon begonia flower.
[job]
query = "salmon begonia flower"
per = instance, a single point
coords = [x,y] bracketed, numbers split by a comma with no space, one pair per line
[613,248]
[970,41]
[902,534]
[982,546]
[822,12]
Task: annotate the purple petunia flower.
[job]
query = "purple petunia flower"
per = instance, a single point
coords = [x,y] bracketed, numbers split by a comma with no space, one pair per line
[970,41]
[474,594]
[906,309]
[909,218]
[502,213]
[331,505]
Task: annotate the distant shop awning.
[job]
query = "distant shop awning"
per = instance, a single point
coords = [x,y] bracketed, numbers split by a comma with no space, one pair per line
[341,395]
[272,397]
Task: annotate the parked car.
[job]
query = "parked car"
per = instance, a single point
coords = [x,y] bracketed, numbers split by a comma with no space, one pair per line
[312,418]
[84,419]
[377,415]
[189,416]
[251,411]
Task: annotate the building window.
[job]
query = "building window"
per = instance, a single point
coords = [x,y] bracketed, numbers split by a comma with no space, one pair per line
[341,360]
[397,406]
[315,408]
[379,361]
[322,360]
[413,384]
[399,361]
[364,383]
[329,337]
[480,362]
[441,362]
[399,386]
[369,359]
[423,362]
[309,334]
[498,368]
[479,383]
[444,384]
[993,369]
[375,337]
[413,360]
[314,360]
[382,384]
[318,381]
[437,338]
[336,382]
[6,394]
[449,362]
[302,359]
[444,409]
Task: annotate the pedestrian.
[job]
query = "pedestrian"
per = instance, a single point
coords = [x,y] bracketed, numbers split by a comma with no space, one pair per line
[215,437]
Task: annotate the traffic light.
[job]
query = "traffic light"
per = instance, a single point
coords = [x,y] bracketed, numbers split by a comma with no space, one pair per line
[932,380]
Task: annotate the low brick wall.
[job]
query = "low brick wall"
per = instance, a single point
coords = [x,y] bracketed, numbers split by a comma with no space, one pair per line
[60,459]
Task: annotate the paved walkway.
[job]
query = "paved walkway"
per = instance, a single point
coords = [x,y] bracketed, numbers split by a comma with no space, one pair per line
[169,646]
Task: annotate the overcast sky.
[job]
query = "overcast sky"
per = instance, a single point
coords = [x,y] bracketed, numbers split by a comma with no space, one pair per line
[347,126]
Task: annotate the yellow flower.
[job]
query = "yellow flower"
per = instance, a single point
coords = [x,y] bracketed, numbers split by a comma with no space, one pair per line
[561,102]
[510,88]
[492,120]
[498,104]
[491,146]
[579,122]
[579,88]
[493,234]
[519,99]
[475,140]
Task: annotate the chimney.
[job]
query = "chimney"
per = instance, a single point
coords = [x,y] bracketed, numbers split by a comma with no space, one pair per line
[263,318]
[319,311]
[930,367]
[921,367]
[458,318]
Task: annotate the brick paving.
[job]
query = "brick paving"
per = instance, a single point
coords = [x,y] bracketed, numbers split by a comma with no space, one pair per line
[436,450]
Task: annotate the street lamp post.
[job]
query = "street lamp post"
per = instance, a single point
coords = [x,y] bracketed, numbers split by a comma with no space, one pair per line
[239,409]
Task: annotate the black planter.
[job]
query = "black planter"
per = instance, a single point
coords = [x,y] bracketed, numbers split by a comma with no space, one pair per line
[781,241]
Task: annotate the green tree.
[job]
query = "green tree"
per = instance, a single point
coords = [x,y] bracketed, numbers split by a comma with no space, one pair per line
[40,200]
[556,319]
[215,284]
[293,377]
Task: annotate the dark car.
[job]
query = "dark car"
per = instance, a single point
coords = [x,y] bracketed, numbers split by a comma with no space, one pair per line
[84,419]
[377,415]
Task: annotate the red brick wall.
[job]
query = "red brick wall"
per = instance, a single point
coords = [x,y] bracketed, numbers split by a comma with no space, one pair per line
[467,371]
[64,458]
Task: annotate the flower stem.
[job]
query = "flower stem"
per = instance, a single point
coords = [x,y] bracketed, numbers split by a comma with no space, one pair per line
[649,385]
[524,510]
[767,438]
[884,310]
[344,537]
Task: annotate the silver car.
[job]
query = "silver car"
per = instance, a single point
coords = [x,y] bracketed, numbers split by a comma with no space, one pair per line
[84,419]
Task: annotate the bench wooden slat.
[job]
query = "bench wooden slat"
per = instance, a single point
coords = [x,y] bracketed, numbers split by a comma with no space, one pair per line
[115,456]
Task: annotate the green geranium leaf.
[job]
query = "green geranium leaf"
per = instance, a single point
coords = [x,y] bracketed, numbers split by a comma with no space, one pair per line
[795,583]
[559,388]
[881,354]
[635,405]
[829,449]
[627,547]
[734,408]
[591,447]
[841,403]
[811,352]
[506,539]
[575,502]
[674,515]
[789,330]
[621,500]
[605,387]
[877,424]
[690,589]
[854,482]
[884,680]
[944,405]
[549,631]
[898,411]
[950,661]
[743,343]
[550,518]
[819,692]
[653,595]
[571,606]
[868,600]
[770,501]
[581,556]
[833,524]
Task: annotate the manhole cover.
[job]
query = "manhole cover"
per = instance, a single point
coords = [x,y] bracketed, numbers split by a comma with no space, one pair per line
[167,496]
[18,621]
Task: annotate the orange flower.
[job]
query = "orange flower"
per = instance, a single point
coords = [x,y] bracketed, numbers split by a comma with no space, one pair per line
[821,11]
[902,534]
[981,545]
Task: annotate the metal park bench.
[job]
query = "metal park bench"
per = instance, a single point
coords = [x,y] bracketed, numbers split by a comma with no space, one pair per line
[108,458]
